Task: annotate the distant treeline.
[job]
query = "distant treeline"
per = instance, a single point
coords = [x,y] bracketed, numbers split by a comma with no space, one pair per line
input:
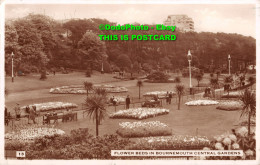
[42,43]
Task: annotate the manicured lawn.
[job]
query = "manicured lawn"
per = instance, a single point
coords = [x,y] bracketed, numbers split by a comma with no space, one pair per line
[206,120]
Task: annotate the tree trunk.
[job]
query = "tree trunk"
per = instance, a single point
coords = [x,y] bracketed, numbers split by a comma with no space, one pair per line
[96,122]
[139,92]
[179,104]
[249,116]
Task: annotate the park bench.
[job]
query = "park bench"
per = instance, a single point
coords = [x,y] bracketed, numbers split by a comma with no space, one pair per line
[64,117]
[151,103]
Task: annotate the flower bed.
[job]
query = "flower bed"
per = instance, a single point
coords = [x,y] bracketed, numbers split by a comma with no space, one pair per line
[143,129]
[201,102]
[79,89]
[171,143]
[235,94]
[160,94]
[32,133]
[139,113]
[230,105]
[48,106]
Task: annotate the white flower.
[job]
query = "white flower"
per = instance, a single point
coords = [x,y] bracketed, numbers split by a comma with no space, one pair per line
[206,148]
[235,146]
[249,153]
[219,146]
[219,138]
[202,157]
[233,137]
[242,131]
[227,141]
[243,157]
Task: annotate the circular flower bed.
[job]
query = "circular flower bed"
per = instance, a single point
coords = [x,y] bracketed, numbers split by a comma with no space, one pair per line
[79,89]
[48,106]
[32,133]
[143,129]
[139,113]
[201,102]
[230,105]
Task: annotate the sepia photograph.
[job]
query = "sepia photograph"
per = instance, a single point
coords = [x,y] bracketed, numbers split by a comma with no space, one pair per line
[129,81]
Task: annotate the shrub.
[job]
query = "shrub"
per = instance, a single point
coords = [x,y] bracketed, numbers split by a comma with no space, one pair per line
[177,80]
[158,77]
[194,72]
[43,75]
[79,144]
[88,73]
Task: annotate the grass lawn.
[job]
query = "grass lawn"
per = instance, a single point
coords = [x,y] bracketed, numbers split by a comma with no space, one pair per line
[206,120]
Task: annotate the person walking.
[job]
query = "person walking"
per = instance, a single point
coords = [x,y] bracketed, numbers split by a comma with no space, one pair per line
[127,102]
[17,111]
[32,115]
[167,97]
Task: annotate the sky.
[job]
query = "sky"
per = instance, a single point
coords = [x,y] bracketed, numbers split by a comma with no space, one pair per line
[227,18]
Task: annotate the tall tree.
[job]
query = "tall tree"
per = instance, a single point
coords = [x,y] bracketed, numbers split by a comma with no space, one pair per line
[214,83]
[91,50]
[179,88]
[199,78]
[95,107]
[249,106]
[251,80]
[88,86]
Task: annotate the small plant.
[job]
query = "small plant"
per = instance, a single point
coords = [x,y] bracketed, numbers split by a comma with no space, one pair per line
[88,73]
[177,80]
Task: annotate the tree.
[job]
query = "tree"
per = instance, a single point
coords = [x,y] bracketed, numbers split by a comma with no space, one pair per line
[228,80]
[249,108]
[95,107]
[177,80]
[251,80]
[218,73]
[139,84]
[88,86]
[214,84]
[180,91]
[123,61]
[91,50]
[199,78]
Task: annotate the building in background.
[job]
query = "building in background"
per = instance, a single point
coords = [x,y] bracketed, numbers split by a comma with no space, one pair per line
[182,22]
